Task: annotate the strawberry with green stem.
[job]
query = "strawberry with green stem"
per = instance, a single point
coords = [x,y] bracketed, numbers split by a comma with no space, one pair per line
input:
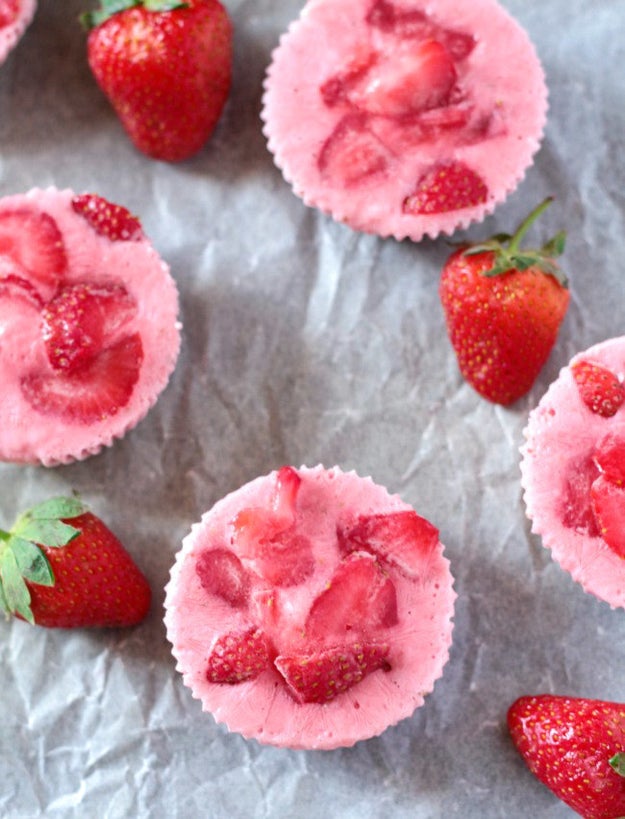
[60,566]
[165,66]
[503,307]
[576,747]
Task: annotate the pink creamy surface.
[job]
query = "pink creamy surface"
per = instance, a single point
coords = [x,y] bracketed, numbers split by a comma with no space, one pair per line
[502,74]
[31,436]
[262,708]
[561,434]
[10,34]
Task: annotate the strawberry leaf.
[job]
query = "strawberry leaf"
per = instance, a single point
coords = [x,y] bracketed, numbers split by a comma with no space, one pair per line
[108,8]
[55,508]
[32,562]
[617,763]
[15,590]
[53,533]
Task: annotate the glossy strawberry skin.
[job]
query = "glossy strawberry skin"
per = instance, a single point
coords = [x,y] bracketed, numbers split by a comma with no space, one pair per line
[166,73]
[503,327]
[568,743]
[97,584]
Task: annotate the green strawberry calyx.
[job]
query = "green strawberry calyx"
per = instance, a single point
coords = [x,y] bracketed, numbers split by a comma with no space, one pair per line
[108,8]
[617,763]
[508,254]
[21,556]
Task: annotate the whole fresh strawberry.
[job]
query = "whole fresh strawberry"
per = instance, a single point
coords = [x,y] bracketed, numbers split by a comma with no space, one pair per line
[576,747]
[503,307]
[165,67]
[60,566]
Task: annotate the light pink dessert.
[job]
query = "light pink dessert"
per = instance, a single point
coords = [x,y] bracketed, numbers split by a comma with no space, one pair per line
[88,325]
[310,609]
[15,17]
[573,470]
[401,117]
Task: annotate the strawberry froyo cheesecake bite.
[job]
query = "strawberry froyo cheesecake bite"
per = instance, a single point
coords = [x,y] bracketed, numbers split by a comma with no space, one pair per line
[404,118]
[573,470]
[310,609]
[89,333]
[15,17]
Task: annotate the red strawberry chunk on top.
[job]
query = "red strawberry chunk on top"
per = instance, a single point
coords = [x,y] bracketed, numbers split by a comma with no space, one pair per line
[321,676]
[608,505]
[16,287]
[93,393]
[32,240]
[352,153]
[599,388]
[402,538]
[359,599]
[108,219]
[446,187]
[81,319]
[407,82]
[285,493]
[609,455]
[238,656]
[221,573]
[576,510]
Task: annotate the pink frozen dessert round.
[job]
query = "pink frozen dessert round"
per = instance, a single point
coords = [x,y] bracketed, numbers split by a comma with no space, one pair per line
[15,17]
[310,609]
[89,333]
[404,118]
[573,470]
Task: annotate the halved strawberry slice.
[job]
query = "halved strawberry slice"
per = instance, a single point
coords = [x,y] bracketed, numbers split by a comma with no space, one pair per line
[321,676]
[98,390]
[115,222]
[82,319]
[360,598]
[402,538]
[287,560]
[17,287]
[408,82]
[33,241]
[608,504]
[352,154]
[609,455]
[445,187]
[599,388]
[221,573]
[238,656]
[576,509]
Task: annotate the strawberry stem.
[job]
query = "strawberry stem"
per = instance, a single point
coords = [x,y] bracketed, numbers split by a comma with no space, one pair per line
[517,238]
[617,763]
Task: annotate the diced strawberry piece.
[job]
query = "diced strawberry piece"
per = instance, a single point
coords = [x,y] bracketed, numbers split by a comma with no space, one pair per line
[412,23]
[9,10]
[446,187]
[81,319]
[265,607]
[352,154]
[287,560]
[457,43]
[360,598]
[402,538]
[576,510]
[16,287]
[335,90]
[252,528]
[238,656]
[221,573]
[32,240]
[608,504]
[599,388]
[98,390]
[609,455]
[108,219]
[408,82]
[324,675]
[285,494]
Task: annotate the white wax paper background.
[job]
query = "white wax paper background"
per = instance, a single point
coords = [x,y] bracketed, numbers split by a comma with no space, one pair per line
[305,342]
